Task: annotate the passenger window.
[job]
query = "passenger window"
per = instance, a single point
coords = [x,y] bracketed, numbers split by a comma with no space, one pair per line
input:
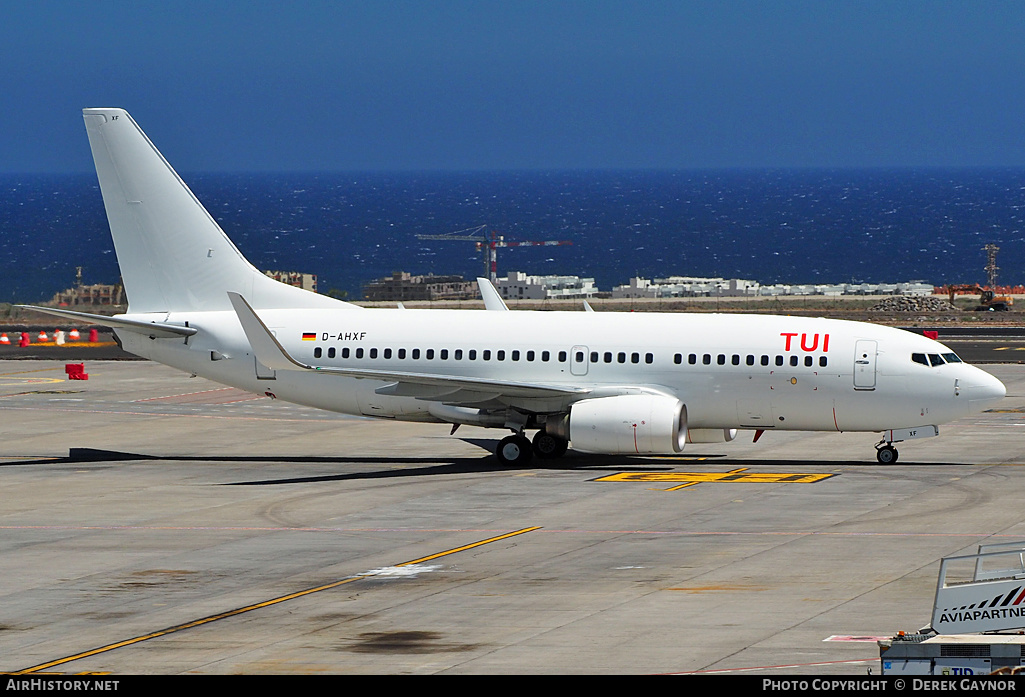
[919,358]
[331,352]
[608,356]
[649,358]
[678,358]
[594,356]
[779,360]
[692,358]
[808,360]
[472,354]
[823,361]
[545,356]
[359,353]
[750,360]
[443,354]
[530,355]
[317,352]
[562,356]
[345,352]
[500,355]
[429,354]
[735,360]
[621,357]
[402,354]
[458,354]
[721,359]
[516,355]
[635,358]
[387,353]
[794,360]
[486,354]
[707,359]
[416,354]
[373,353]
[765,360]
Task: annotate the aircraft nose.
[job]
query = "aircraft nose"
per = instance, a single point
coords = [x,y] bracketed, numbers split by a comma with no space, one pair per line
[984,391]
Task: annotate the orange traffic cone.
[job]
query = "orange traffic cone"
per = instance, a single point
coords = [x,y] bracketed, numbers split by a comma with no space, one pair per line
[43,337]
[4,341]
[74,335]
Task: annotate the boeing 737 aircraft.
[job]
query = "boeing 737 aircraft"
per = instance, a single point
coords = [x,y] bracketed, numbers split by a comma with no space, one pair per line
[607,383]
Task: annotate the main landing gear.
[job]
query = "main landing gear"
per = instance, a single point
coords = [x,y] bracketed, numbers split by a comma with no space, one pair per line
[514,451]
[886,453]
[517,451]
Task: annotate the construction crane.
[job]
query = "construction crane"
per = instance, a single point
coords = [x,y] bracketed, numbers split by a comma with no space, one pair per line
[488,243]
[991,264]
[988,298]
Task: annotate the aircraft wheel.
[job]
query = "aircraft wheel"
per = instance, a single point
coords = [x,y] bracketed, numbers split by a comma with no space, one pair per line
[548,447]
[514,451]
[887,455]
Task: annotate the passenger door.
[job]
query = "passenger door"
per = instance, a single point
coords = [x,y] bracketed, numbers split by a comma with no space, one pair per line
[865,365]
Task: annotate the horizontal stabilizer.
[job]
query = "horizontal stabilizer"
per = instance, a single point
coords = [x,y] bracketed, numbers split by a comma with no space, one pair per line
[154,330]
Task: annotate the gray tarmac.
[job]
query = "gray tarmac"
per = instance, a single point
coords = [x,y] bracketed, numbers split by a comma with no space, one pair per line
[159,524]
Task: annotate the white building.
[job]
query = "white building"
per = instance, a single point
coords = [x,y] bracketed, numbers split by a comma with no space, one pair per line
[915,288]
[688,286]
[519,286]
[685,286]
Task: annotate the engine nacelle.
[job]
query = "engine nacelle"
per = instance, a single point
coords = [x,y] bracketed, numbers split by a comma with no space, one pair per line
[641,423]
[711,435]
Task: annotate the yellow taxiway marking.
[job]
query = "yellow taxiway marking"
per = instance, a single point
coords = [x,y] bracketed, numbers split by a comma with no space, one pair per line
[737,476]
[21,382]
[34,370]
[256,606]
[5,378]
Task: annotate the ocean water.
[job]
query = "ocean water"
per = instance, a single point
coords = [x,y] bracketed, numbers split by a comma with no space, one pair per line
[773,226]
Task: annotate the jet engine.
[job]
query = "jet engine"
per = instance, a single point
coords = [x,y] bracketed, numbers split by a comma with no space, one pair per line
[642,423]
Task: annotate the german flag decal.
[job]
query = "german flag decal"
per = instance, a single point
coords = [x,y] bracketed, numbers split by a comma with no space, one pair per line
[309,336]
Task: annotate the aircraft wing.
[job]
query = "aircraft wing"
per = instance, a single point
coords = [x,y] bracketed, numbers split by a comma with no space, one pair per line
[435,386]
[158,330]
[492,298]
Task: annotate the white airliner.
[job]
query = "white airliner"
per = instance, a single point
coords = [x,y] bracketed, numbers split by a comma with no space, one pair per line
[599,382]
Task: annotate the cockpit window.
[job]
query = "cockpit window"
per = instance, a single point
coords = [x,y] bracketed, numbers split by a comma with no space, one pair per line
[934,359]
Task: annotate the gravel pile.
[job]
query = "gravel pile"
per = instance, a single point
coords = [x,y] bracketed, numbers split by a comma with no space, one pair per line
[906,303]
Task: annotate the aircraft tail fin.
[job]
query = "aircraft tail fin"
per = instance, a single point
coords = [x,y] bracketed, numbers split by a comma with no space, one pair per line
[172,253]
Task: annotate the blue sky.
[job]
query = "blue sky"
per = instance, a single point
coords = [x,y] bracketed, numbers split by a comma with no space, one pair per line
[554,84]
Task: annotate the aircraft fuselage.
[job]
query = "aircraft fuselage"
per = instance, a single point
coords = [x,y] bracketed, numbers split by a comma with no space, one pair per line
[732,371]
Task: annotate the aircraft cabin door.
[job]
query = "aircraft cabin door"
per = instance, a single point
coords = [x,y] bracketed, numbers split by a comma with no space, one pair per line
[865,365]
[578,360]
